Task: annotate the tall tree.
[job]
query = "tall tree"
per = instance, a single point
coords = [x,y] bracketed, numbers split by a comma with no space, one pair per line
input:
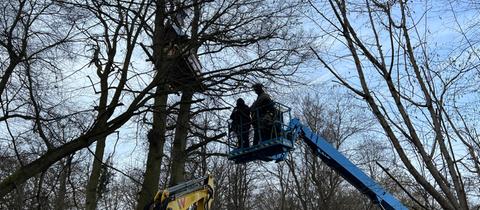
[97,124]
[215,31]
[114,20]
[409,88]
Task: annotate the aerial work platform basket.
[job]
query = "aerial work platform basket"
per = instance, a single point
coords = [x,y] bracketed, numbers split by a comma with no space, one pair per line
[272,133]
[280,140]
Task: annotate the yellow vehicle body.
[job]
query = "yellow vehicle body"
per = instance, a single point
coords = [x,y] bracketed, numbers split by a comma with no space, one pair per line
[196,193]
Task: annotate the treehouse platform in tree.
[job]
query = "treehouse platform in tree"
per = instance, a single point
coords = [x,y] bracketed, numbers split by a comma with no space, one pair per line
[184,71]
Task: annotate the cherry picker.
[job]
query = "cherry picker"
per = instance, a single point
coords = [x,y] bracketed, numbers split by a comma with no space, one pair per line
[282,139]
[198,193]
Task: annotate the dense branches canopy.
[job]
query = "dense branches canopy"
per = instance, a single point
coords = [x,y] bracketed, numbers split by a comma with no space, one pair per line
[96,112]
[414,82]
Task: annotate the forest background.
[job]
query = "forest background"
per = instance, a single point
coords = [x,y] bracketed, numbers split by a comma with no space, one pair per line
[90,119]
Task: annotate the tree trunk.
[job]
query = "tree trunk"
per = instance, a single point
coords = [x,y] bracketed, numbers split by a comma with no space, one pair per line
[156,139]
[19,196]
[156,135]
[62,191]
[180,141]
[92,185]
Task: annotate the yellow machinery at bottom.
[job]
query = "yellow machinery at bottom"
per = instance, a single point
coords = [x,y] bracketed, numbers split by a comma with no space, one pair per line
[194,194]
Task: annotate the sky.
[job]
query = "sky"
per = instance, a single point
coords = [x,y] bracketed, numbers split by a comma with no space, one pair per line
[437,25]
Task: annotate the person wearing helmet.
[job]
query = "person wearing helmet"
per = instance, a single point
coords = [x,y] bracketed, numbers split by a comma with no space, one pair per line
[262,110]
[241,122]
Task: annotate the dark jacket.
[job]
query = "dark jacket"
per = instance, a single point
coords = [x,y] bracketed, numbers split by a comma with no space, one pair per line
[240,117]
[263,105]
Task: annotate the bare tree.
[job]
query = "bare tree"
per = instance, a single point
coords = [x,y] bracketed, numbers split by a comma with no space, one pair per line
[216,29]
[99,123]
[341,122]
[121,24]
[411,91]
[69,72]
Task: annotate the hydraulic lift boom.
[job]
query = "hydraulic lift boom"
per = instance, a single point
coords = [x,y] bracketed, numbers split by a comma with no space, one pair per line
[344,167]
[282,141]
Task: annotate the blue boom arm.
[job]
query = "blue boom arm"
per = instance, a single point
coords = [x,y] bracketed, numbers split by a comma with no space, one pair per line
[344,167]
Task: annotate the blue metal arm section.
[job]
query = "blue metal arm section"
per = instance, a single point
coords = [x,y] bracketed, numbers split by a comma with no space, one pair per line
[335,160]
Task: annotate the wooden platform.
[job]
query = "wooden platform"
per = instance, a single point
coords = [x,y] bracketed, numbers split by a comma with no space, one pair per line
[184,68]
[185,73]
